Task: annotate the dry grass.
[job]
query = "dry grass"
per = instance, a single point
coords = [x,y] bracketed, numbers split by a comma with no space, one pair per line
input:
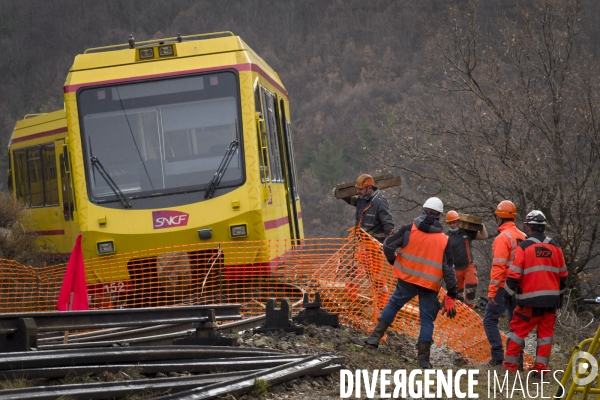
[18,240]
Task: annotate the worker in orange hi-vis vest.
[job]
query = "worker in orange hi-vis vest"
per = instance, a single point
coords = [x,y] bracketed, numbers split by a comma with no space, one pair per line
[422,261]
[537,279]
[466,272]
[504,249]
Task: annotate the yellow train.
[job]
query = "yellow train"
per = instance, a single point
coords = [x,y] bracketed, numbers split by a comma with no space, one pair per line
[161,143]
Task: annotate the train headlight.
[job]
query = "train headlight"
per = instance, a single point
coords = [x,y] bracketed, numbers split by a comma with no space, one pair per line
[105,247]
[165,51]
[238,230]
[147,53]
[205,234]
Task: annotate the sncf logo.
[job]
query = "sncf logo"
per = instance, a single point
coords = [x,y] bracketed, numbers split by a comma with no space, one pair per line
[169,219]
[542,252]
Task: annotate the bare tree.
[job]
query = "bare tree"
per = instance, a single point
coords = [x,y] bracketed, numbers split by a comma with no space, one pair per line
[514,115]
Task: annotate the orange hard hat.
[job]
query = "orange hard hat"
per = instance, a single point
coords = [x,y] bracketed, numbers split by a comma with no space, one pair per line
[506,209]
[452,216]
[364,181]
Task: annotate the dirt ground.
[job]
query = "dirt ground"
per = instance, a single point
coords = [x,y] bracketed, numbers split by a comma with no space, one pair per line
[399,352]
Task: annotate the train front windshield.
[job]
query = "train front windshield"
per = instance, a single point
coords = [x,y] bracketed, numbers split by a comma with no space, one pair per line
[160,137]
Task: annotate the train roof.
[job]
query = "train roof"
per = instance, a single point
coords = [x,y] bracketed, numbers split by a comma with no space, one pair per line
[39,125]
[184,46]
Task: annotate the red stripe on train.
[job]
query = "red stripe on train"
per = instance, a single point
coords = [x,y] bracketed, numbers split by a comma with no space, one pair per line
[275,223]
[239,67]
[39,135]
[50,233]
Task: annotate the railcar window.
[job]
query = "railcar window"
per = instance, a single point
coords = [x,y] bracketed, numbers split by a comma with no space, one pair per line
[274,153]
[67,190]
[35,175]
[263,154]
[288,132]
[50,177]
[161,137]
[36,179]
[21,181]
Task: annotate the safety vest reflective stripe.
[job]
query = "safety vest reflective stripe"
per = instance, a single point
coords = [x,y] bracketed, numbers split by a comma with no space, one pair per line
[542,360]
[494,282]
[538,293]
[420,274]
[534,240]
[511,359]
[513,247]
[500,260]
[537,268]
[544,340]
[516,269]
[512,336]
[420,261]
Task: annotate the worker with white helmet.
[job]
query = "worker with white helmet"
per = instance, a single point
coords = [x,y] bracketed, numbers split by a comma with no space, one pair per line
[537,278]
[422,263]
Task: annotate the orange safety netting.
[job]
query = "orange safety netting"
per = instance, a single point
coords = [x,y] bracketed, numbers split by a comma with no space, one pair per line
[351,275]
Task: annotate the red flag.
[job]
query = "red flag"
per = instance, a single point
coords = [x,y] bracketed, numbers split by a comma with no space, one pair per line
[73,293]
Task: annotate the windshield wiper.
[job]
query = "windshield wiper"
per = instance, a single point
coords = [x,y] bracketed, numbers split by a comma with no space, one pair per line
[124,200]
[214,182]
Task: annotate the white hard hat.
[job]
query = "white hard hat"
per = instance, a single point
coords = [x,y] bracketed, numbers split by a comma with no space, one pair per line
[535,217]
[433,203]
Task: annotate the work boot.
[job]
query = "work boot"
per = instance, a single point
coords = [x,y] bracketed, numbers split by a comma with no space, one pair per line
[423,351]
[378,332]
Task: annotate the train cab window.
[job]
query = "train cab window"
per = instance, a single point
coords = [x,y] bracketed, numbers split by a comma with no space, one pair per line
[35,175]
[272,136]
[162,137]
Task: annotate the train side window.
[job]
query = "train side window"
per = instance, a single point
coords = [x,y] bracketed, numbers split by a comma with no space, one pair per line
[288,132]
[261,135]
[49,175]
[35,175]
[273,141]
[20,172]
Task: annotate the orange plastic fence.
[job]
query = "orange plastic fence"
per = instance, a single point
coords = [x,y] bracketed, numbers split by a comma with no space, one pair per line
[351,275]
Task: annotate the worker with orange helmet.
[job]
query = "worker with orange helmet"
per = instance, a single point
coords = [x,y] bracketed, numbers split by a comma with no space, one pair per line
[372,209]
[422,261]
[504,249]
[537,279]
[466,271]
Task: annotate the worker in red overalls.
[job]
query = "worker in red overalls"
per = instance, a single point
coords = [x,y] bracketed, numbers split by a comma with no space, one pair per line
[537,279]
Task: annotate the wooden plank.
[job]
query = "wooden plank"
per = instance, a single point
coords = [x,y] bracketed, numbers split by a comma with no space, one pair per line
[348,189]
[470,222]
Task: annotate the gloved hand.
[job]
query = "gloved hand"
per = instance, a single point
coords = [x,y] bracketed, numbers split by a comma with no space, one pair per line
[449,307]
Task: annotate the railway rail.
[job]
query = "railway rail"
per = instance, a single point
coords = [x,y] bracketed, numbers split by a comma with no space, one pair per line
[145,345]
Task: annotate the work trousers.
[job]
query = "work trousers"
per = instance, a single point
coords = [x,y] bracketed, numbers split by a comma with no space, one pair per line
[466,285]
[524,320]
[490,324]
[428,307]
